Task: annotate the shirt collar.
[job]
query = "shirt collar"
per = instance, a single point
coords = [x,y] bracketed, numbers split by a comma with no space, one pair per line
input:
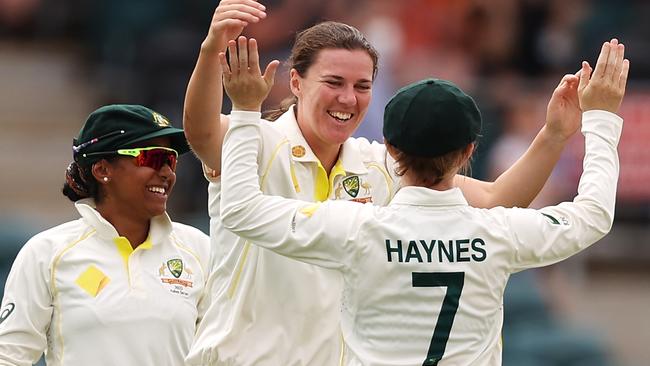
[350,155]
[161,226]
[420,196]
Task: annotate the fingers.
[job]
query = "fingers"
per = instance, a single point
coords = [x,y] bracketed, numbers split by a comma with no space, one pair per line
[244,55]
[225,68]
[253,56]
[601,63]
[233,57]
[619,52]
[246,10]
[585,74]
[269,73]
[622,80]
[243,16]
[242,46]
[610,70]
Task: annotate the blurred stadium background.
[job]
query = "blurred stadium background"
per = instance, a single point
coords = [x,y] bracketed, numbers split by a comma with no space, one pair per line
[61,59]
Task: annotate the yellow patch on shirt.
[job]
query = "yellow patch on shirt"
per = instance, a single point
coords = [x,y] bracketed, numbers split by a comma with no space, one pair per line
[93,281]
[309,210]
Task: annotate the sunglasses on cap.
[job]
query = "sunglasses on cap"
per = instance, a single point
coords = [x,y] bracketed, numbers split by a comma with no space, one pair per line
[154,157]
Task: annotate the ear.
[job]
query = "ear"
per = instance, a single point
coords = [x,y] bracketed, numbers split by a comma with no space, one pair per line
[100,170]
[294,82]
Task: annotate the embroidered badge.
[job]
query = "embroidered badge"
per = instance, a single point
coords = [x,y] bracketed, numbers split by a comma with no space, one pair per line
[175,267]
[161,120]
[298,151]
[176,276]
[351,185]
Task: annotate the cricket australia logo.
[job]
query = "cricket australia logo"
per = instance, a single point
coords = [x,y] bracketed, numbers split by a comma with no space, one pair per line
[175,267]
[351,185]
[176,276]
[160,120]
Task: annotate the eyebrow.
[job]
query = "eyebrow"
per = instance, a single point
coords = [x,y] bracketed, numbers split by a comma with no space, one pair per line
[339,78]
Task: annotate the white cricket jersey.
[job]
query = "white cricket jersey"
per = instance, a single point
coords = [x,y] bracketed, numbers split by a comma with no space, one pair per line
[423,277]
[267,309]
[82,293]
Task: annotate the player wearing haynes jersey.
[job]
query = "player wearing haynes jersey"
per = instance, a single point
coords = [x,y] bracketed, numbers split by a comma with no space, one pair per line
[424,276]
[122,285]
[290,310]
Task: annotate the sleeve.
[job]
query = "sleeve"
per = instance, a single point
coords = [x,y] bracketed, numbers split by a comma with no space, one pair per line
[205,256]
[27,307]
[554,233]
[316,233]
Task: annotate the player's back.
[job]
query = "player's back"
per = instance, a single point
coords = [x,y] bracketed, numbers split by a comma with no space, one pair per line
[427,273]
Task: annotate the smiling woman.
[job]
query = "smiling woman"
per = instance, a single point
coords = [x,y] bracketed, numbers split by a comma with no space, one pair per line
[308,153]
[124,276]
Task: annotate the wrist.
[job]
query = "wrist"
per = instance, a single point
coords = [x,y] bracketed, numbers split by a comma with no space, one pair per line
[210,47]
[246,107]
[553,137]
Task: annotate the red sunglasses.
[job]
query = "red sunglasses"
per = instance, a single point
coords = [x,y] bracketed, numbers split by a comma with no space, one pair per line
[154,157]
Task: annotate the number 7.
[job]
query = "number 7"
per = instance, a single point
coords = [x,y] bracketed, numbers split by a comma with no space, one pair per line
[454,282]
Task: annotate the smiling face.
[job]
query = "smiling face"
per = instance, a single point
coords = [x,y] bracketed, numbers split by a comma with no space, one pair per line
[333,96]
[139,191]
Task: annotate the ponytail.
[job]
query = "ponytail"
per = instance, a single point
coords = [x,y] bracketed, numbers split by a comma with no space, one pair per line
[79,183]
[273,114]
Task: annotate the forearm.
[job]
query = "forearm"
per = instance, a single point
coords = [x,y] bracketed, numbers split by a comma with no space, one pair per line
[520,184]
[204,125]
[570,227]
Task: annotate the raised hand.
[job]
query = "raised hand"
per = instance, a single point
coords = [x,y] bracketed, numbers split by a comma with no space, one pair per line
[606,87]
[563,113]
[229,20]
[242,78]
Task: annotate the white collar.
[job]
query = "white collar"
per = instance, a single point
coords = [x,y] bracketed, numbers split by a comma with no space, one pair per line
[421,196]
[350,155]
[161,225]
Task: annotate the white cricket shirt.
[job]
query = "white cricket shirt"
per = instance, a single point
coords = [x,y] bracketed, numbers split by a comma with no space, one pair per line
[267,309]
[423,277]
[81,292]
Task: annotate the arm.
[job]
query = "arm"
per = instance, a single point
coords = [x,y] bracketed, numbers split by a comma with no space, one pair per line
[301,230]
[554,233]
[519,185]
[27,308]
[316,233]
[204,125]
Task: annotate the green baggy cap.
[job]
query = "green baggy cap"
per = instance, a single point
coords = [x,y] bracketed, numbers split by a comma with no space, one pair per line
[121,126]
[430,118]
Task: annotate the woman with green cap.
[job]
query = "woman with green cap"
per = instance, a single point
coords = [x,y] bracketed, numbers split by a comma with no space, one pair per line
[123,284]
[424,276]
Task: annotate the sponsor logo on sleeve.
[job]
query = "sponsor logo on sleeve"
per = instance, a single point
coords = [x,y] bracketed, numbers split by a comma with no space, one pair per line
[6,311]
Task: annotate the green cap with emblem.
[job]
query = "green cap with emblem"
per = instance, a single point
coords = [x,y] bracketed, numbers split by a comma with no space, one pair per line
[431,118]
[121,126]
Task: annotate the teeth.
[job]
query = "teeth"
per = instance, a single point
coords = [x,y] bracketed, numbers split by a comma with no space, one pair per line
[341,115]
[160,190]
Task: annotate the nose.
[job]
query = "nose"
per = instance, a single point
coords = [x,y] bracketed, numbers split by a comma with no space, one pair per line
[347,96]
[166,171]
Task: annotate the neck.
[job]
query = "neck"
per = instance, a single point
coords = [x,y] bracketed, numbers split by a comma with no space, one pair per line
[327,155]
[444,185]
[134,229]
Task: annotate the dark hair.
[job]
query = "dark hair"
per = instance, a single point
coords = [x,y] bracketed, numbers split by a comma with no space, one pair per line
[325,35]
[429,171]
[80,182]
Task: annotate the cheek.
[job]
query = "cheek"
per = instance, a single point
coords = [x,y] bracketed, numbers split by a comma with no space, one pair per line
[364,101]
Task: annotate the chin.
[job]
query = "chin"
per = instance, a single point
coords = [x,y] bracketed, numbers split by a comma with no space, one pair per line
[158,211]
